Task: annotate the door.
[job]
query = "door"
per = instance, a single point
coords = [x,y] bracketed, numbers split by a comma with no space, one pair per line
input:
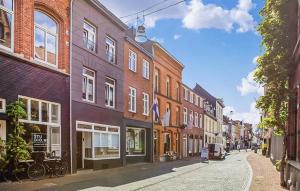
[79,150]
[184,147]
[2,130]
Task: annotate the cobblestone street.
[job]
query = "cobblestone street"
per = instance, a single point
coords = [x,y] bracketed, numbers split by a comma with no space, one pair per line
[233,173]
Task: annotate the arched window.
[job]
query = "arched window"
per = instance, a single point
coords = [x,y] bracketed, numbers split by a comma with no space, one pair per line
[6,23]
[45,38]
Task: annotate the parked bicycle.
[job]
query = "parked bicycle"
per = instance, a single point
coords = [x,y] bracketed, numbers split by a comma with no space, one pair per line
[50,164]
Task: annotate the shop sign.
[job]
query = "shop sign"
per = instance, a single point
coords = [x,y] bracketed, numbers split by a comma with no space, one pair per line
[204,153]
[39,139]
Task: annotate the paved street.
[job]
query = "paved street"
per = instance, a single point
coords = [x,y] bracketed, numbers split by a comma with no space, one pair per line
[232,174]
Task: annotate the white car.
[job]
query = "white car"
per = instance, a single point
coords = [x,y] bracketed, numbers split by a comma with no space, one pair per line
[216,151]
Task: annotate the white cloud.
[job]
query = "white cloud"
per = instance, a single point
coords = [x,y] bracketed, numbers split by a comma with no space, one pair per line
[254,61]
[248,85]
[212,16]
[193,14]
[176,36]
[252,116]
[159,40]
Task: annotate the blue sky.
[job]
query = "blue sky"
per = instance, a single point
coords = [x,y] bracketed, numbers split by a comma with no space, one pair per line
[215,40]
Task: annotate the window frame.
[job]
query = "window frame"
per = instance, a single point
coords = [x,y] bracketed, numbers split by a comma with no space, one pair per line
[93,131]
[156,81]
[3,110]
[94,84]
[196,120]
[114,49]
[114,92]
[185,115]
[132,98]
[186,94]
[46,34]
[146,102]
[147,69]
[129,61]
[168,86]
[89,31]
[12,26]
[191,97]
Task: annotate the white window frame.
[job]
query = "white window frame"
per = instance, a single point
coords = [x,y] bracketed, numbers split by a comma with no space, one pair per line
[145,145]
[145,104]
[93,78]
[92,130]
[146,69]
[200,120]
[191,116]
[197,100]
[114,92]
[46,34]
[191,97]
[92,32]
[113,46]
[12,27]
[196,119]
[3,110]
[186,94]
[185,115]
[132,100]
[131,56]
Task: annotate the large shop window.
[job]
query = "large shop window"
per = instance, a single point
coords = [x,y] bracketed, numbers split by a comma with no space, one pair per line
[101,141]
[135,141]
[45,40]
[6,24]
[42,120]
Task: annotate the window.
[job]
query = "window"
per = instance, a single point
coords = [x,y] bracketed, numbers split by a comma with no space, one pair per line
[88,85]
[135,141]
[132,61]
[145,104]
[200,120]
[156,81]
[196,120]
[201,102]
[185,116]
[104,140]
[2,105]
[177,91]
[196,100]
[132,99]
[191,97]
[45,38]
[191,120]
[89,36]
[177,116]
[44,116]
[167,142]
[186,94]
[146,70]
[110,50]
[6,24]
[110,87]
[168,88]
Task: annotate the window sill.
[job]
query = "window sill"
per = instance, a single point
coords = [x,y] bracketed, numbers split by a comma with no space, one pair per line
[87,101]
[134,112]
[110,107]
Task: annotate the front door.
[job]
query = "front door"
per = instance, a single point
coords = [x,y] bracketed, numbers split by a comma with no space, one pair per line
[79,150]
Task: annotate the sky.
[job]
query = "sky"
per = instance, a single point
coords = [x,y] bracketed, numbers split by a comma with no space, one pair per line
[216,40]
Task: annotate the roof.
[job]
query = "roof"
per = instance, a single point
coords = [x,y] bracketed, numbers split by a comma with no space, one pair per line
[109,14]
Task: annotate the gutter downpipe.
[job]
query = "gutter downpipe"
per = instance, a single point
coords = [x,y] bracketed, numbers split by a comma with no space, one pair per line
[70,61]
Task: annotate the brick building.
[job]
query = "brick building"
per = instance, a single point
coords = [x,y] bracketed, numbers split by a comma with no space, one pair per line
[34,62]
[138,96]
[97,87]
[167,87]
[192,115]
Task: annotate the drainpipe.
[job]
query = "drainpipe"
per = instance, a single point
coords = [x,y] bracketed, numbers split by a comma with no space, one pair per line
[70,61]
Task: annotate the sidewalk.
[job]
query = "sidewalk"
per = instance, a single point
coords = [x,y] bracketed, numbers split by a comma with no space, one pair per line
[265,176]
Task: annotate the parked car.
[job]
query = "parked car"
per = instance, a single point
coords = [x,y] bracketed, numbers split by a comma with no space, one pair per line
[216,151]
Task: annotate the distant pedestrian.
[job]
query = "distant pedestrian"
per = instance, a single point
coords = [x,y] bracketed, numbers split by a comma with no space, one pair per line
[238,147]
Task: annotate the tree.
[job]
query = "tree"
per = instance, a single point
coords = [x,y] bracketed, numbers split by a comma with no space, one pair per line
[278,30]
[17,148]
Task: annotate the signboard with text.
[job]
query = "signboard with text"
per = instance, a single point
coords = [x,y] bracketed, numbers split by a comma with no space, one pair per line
[39,139]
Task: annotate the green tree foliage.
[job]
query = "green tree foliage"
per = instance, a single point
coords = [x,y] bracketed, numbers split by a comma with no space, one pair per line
[278,30]
[17,148]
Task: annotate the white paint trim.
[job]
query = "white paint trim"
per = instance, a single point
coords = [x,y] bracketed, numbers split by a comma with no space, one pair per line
[3,105]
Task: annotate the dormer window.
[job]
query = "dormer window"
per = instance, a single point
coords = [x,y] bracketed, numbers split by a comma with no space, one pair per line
[45,38]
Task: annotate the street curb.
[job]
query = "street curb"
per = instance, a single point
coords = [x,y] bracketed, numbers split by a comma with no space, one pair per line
[247,188]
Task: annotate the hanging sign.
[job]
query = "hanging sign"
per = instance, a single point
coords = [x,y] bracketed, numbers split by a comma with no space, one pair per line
[39,139]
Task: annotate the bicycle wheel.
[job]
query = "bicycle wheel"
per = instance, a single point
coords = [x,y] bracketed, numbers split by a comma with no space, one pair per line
[36,171]
[61,170]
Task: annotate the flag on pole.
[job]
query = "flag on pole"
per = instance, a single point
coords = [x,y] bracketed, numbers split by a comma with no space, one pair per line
[155,109]
[165,121]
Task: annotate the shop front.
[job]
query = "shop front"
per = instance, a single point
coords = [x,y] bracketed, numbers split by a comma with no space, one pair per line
[192,142]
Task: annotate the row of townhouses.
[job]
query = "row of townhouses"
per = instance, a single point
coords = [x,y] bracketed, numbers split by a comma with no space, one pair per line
[89,87]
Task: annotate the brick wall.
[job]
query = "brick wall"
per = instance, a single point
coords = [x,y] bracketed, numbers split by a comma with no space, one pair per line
[24,27]
[137,81]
